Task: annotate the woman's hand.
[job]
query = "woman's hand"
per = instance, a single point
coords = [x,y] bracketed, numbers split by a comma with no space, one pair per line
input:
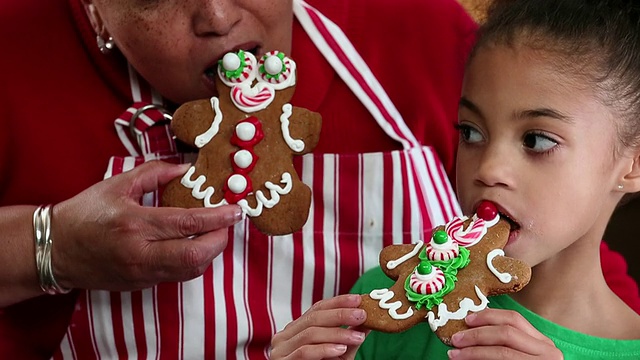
[104,239]
[319,332]
[501,334]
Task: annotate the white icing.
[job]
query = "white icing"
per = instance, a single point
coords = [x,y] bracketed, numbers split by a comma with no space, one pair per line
[392,264]
[243,159]
[503,277]
[196,187]
[249,98]
[383,295]
[295,144]
[273,65]
[466,305]
[230,61]
[261,201]
[245,131]
[237,183]
[204,138]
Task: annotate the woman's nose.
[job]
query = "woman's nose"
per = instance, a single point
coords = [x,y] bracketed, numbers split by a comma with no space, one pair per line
[215,17]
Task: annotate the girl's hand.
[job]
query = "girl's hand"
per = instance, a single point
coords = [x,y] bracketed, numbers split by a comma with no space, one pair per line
[501,334]
[318,333]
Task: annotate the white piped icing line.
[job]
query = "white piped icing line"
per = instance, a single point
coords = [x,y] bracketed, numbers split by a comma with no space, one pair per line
[503,277]
[261,200]
[466,305]
[249,98]
[428,283]
[392,264]
[384,295]
[196,187]
[469,236]
[294,144]
[204,138]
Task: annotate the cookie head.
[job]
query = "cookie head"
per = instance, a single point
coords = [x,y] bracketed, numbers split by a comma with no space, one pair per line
[447,277]
[246,139]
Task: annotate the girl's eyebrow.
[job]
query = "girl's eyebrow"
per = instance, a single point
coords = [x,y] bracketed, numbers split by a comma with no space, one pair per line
[544,112]
[466,103]
[524,114]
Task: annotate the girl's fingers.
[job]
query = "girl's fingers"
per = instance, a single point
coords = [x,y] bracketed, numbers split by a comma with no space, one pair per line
[490,317]
[316,343]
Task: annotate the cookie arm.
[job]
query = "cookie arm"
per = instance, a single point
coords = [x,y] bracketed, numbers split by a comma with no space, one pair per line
[510,274]
[304,125]
[195,119]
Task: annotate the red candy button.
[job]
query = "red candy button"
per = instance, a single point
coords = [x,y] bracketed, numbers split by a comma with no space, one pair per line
[487,211]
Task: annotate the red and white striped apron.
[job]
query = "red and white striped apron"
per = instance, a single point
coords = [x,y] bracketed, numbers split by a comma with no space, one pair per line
[361,203]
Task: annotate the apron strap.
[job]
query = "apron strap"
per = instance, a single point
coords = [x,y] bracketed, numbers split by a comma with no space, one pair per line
[145,127]
[343,57]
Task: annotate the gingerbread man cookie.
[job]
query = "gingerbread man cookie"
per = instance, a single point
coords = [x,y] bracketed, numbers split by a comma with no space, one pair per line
[443,280]
[247,137]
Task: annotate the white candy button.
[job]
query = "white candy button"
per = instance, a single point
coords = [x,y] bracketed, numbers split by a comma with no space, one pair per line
[237,183]
[245,131]
[230,62]
[273,65]
[243,159]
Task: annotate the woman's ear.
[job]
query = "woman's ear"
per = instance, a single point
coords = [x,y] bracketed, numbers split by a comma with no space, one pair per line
[630,180]
[95,18]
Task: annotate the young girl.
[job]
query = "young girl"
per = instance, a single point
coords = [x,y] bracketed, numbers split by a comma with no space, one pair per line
[549,122]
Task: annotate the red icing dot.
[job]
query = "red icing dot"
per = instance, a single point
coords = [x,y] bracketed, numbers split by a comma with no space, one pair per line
[487,211]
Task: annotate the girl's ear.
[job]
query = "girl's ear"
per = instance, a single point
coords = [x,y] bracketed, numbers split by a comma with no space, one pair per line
[630,181]
[95,18]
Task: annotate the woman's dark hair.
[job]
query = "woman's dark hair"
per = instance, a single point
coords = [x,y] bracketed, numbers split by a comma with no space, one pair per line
[599,40]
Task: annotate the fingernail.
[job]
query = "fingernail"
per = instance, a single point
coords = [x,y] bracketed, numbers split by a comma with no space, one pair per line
[357,336]
[359,314]
[457,336]
[340,348]
[470,318]
[238,214]
[453,353]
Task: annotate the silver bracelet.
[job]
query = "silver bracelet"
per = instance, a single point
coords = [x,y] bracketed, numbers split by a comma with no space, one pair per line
[43,242]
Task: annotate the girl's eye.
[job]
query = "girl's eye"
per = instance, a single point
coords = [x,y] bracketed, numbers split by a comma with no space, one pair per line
[538,142]
[469,134]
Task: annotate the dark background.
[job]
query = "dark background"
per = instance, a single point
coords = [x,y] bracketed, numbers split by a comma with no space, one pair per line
[623,235]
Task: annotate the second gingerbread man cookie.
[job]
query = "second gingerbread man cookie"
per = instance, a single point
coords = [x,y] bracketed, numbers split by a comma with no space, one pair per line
[446,278]
[247,137]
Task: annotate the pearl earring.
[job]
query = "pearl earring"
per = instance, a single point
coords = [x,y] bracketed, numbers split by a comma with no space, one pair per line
[620,187]
[105,46]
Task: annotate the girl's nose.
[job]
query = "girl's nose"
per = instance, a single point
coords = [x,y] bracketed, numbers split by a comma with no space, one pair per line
[215,17]
[495,168]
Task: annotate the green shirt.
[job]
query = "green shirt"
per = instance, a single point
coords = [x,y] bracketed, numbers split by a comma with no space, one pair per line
[420,342]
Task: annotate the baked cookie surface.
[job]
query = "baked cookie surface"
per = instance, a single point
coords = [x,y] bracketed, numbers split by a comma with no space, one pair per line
[247,137]
[446,278]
